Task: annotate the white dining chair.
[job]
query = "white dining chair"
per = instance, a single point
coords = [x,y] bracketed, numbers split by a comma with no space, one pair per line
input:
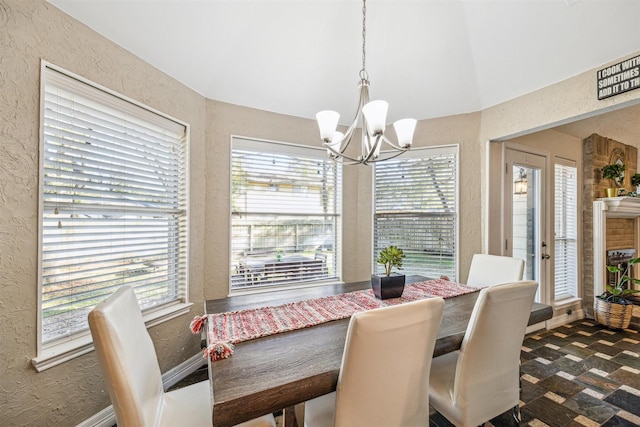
[129,365]
[384,374]
[487,270]
[481,380]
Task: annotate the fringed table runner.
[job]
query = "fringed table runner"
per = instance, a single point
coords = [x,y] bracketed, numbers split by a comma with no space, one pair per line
[226,329]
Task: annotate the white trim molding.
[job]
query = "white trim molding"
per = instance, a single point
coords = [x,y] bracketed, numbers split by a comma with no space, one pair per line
[58,353]
[107,417]
[613,207]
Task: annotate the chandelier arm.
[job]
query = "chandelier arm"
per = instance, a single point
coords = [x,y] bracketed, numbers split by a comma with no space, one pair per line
[373,148]
[348,135]
[388,157]
[340,155]
[362,100]
[392,144]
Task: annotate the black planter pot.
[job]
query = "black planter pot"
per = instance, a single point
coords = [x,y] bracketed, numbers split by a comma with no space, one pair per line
[387,287]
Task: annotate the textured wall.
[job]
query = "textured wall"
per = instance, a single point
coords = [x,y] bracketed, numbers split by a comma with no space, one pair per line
[545,108]
[30,30]
[33,29]
[224,120]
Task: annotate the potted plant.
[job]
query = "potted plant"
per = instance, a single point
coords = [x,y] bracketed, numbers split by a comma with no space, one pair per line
[635,181]
[389,285]
[612,308]
[614,173]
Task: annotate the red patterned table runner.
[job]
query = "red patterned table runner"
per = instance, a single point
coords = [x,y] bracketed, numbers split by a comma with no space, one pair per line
[226,329]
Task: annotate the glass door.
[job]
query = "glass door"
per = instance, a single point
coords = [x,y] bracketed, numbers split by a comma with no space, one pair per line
[525,225]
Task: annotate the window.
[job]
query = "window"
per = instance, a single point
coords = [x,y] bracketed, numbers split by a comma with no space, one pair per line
[289,236]
[566,230]
[416,209]
[113,209]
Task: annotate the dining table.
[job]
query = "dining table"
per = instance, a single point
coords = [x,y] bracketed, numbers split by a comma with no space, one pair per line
[276,372]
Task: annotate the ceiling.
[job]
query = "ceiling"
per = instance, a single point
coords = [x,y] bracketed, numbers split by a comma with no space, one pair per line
[427,58]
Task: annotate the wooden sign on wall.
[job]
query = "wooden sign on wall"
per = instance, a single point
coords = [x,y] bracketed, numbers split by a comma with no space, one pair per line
[619,78]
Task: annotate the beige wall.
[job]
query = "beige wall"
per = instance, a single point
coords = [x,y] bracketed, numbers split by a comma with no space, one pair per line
[563,102]
[224,120]
[32,29]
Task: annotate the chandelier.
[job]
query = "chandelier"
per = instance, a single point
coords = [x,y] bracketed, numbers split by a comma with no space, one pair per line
[373,116]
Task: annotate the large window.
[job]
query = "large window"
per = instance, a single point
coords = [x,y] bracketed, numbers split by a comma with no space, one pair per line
[416,209]
[113,209]
[566,230]
[285,214]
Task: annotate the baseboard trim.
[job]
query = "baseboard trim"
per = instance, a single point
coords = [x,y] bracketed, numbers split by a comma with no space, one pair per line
[562,319]
[107,417]
[173,375]
[104,418]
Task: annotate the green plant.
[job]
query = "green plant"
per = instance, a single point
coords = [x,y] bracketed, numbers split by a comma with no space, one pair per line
[635,180]
[618,292]
[614,171]
[390,257]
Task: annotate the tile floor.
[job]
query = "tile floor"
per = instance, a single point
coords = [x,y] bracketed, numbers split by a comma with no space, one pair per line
[579,374]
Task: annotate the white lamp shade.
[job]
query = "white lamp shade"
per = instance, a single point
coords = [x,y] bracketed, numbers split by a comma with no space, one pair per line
[404,131]
[375,112]
[335,143]
[327,122]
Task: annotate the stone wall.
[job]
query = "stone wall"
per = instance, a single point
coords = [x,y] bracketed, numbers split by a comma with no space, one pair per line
[599,151]
[620,233]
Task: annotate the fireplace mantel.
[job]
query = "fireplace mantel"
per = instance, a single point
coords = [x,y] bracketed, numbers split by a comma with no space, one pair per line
[612,207]
[620,207]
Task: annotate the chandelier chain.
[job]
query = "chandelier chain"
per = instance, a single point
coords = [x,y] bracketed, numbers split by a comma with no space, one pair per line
[364,37]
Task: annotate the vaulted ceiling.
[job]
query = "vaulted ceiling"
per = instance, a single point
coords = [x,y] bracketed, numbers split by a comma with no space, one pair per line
[427,58]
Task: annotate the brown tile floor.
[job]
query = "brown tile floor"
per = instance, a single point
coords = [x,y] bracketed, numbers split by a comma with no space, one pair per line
[580,374]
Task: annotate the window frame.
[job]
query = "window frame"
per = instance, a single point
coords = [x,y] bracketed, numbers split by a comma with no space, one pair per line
[420,153]
[287,148]
[62,349]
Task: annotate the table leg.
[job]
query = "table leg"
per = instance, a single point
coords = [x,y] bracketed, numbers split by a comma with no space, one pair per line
[289,417]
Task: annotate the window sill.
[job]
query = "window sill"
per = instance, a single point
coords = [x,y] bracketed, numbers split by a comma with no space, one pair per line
[82,343]
[566,302]
[273,288]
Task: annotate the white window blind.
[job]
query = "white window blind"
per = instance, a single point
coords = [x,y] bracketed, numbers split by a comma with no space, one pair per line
[566,230]
[113,204]
[285,214]
[416,209]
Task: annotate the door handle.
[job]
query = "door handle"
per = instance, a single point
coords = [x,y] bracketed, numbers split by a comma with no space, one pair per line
[545,255]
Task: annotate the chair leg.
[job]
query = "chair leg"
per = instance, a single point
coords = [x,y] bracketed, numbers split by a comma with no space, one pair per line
[516,414]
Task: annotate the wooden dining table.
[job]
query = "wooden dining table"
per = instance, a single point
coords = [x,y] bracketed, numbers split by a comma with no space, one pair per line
[276,372]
